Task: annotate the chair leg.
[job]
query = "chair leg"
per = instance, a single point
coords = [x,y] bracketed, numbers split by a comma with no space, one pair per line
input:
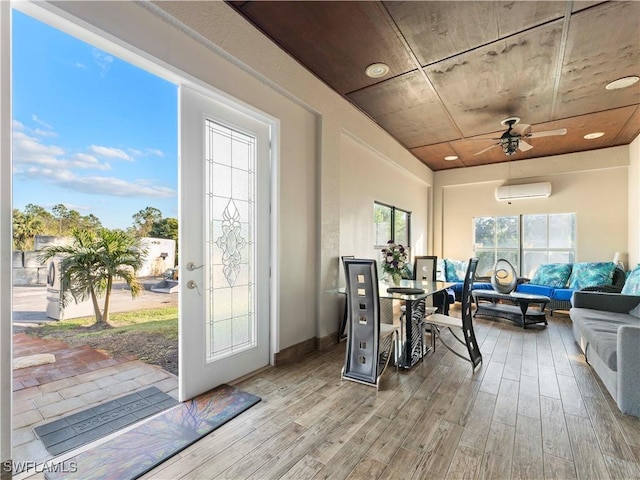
[435,331]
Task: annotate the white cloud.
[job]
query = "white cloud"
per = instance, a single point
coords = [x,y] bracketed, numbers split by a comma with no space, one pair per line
[84,161]
[17,125]
[110,152]
[36,160]
[156,152]
[103,61]
[44,133]
[29,150]
[146,152]
[42,123]
[96,185]
[79,65]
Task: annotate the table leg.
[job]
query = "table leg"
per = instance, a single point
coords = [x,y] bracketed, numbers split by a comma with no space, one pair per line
[524,305]
[406,341]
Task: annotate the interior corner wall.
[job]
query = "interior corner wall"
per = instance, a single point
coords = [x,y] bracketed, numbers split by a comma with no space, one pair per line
[634,203]
[366,177]
[591,184]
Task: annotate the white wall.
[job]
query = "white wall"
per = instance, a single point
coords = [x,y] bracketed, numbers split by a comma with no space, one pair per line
[591,184]
[367,177]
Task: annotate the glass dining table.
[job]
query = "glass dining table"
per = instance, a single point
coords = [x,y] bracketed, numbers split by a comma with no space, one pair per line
[413,293]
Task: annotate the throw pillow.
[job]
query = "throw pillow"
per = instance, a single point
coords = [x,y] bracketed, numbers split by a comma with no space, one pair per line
[632,284]
[441,271]
[456,270]
[635,312]
[591,274]
[552,275]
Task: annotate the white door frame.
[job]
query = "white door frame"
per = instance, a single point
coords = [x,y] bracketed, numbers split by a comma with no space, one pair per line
[6,338]
[64,21]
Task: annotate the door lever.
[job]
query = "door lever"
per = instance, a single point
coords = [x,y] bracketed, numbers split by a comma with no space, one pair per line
[191,284]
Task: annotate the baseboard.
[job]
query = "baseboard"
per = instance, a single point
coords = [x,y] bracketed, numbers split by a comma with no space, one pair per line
[299,351]
[327,342]
[296,352]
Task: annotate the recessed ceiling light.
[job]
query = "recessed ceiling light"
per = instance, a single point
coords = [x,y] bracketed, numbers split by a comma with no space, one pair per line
[591,136]
[622,83]
[450,158]
[377,70]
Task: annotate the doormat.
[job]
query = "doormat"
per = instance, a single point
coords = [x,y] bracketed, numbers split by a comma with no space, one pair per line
[88,425]
[135,452]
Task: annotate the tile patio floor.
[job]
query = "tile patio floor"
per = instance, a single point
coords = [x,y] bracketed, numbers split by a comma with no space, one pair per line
[80,378]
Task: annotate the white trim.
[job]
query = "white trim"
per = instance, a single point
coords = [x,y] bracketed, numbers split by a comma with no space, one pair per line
[6,337]
[72,25]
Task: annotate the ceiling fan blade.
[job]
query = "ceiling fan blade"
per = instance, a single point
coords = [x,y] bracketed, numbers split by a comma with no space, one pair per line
[521,128]
[547,133]
[485,149]
[524,146]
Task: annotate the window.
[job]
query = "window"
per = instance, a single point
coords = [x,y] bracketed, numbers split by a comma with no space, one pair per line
[547,239]
[391,223]
[496,237]
[526,241]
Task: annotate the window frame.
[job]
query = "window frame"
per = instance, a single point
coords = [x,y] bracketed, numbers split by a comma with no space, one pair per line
[392,230]
[521,249]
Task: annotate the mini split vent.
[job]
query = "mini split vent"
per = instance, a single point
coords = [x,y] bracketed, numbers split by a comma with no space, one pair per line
[529,190]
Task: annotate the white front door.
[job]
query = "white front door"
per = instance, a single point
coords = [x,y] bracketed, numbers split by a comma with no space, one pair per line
[224,243]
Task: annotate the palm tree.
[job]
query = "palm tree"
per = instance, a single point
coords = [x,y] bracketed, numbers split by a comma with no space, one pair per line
[25,227]
[92,261]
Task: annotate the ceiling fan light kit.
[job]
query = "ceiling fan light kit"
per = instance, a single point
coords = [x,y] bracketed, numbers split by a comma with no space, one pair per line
[511,141]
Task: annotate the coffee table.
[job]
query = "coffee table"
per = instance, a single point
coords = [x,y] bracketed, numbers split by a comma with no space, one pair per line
[512,306]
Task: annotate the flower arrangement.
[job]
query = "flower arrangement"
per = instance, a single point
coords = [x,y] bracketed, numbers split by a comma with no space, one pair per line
[394,262]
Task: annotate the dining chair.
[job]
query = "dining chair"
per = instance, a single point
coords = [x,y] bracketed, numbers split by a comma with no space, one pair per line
[424,269]
[438,321]
[342,335]
[370,343]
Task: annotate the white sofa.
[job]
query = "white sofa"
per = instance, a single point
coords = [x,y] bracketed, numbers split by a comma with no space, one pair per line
[610,340]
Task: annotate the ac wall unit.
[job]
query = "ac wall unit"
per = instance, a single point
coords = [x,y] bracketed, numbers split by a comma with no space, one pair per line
[528,190]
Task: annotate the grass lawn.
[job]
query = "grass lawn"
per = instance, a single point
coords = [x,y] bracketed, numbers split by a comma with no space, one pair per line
[151,335]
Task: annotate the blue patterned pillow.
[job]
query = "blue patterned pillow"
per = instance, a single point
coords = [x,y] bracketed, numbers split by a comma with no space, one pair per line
[552,275]
[441,271]
[591,274]
[456,270]
[632,284]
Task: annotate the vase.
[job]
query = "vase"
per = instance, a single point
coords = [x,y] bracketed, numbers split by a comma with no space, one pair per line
[396,278]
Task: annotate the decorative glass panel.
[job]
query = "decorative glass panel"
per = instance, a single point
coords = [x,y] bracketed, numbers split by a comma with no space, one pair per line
[229,202]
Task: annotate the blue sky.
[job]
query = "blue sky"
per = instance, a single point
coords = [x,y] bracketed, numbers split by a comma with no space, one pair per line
[89,130]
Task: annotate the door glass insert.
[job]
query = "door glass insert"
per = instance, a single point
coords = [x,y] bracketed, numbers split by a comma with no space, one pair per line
[230,158]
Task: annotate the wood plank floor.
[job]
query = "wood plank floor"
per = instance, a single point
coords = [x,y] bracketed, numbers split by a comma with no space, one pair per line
[535,410]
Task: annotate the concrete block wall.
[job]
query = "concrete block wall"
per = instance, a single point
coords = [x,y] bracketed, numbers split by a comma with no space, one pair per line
[27,269]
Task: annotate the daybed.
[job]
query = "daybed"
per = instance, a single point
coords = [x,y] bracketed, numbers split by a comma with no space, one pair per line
[557,281]
[606,326]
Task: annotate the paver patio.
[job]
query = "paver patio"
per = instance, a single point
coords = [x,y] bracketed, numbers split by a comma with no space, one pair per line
[81,377]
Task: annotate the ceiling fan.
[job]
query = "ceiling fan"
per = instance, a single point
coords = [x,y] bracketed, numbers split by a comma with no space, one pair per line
[513,139]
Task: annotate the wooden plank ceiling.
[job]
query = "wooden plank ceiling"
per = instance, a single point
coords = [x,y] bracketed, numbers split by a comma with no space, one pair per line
[458,68]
